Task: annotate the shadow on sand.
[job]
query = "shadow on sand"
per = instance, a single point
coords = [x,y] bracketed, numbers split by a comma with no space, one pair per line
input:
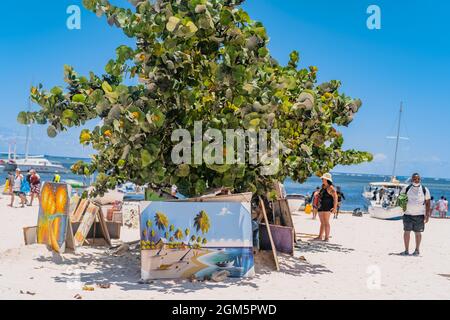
[97,267]
[320,246]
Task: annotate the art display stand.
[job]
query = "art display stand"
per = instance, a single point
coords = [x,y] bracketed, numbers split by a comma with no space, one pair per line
[85,220]
[30,237]
[269,233]
[53,226]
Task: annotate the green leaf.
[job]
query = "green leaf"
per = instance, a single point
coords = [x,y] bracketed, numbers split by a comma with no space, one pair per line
[173,23]
[146,158]
[22,118]
[192,27]
[79,98]
[56,91]
[106,87]
[51,131]
[183,170]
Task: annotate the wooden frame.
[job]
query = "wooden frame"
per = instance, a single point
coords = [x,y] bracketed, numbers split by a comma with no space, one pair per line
[92,215]
[79,211]
[269,232]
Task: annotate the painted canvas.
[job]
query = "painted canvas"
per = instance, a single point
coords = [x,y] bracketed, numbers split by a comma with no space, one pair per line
[186,239]
[53,216]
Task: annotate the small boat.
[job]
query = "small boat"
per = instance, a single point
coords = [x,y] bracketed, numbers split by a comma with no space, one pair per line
[75,184]
[370,192]
[381,197]
[225,264]
[297,202]
[385,211]
[41,165]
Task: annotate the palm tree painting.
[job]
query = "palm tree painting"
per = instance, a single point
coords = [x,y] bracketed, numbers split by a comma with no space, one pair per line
[162,222]
[187,232]
[144,234]
[179,234]
[202,222]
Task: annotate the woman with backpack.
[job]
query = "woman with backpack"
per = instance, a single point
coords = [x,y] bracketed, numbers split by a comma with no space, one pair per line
[328,202]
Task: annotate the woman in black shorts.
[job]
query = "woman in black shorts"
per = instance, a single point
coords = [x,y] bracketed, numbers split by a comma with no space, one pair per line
[328,202]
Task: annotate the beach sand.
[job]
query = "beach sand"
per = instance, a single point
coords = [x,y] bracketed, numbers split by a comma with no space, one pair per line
[356,264]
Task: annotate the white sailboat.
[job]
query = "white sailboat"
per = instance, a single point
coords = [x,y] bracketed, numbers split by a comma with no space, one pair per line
[382,196]
[38,163]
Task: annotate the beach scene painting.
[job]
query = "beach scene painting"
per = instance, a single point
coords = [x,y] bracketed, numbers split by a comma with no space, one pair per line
[195,239]
[53,216]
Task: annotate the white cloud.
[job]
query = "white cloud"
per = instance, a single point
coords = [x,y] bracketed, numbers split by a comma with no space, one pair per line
[225,212]
[379,157]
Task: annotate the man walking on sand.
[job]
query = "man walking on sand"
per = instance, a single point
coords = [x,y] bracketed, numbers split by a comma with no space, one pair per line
[417,214]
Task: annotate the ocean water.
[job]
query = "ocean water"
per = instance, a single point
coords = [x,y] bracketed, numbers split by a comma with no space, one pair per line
[65,161]
[352,185]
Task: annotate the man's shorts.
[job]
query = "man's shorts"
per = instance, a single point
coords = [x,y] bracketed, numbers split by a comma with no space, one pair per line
[413,223]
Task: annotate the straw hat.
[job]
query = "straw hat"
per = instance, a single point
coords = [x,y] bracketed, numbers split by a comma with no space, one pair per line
[327,176]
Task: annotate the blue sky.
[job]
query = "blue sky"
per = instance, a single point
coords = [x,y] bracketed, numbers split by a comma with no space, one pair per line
[407,60]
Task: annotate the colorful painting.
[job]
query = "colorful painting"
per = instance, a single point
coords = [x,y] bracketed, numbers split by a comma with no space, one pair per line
[195,239]
[53,216]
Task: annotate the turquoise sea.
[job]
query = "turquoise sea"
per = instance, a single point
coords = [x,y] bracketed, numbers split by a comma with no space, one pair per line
[351,184]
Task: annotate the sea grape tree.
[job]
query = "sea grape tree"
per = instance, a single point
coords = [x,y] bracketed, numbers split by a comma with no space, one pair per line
[195,60]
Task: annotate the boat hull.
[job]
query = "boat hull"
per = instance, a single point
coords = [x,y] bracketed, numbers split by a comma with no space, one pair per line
[296,205]
[391,213]
[39,169]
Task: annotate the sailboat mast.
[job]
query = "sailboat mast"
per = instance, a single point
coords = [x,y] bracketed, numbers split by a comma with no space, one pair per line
[398,139]
[27,143]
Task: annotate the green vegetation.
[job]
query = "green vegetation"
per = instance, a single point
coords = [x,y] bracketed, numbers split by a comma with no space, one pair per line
[196,60]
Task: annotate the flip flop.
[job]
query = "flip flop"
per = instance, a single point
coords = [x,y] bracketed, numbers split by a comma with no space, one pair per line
[404,253]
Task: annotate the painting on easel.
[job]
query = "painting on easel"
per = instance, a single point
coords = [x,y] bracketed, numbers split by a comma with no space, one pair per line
[53,216]
[195,239]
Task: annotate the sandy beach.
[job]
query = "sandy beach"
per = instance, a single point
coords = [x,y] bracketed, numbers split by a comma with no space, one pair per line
[358,263]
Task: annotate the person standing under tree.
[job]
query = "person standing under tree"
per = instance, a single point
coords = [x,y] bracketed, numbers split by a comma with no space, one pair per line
[417,214]
[328,202]
[340,198]
[315,202]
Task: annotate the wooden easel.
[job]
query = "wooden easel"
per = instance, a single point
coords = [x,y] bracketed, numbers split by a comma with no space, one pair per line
[79,211]
[92,215]
[269,232]
[281,209]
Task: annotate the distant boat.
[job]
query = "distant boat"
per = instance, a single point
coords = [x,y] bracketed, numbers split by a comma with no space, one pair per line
[41,165]
[296,202]
[385,212]
[38,163]
[369,191]
[384,206]
[75,184]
